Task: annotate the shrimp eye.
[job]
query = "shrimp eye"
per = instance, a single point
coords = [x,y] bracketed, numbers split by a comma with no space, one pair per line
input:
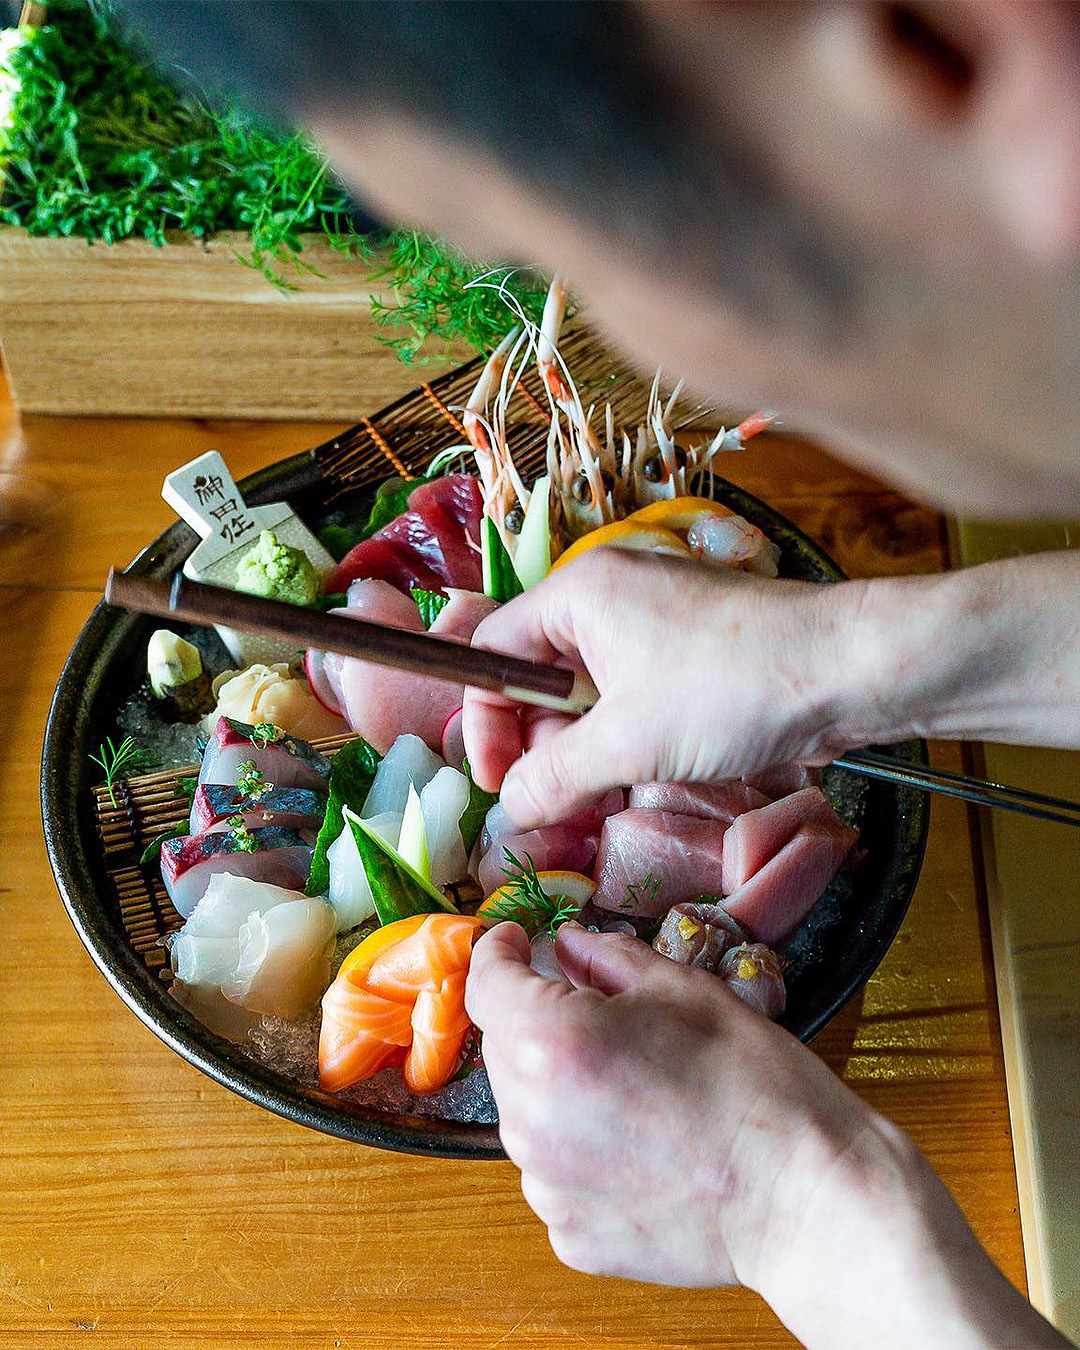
[680,457]
[514,519]
[653,469]
[608,480]
[580,488]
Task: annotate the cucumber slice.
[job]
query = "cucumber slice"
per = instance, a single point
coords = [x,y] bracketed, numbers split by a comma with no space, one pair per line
[396,887]
[500,579]
[532,558]
[412,841]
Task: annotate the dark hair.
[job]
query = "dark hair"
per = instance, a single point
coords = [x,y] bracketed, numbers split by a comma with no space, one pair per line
[564,95]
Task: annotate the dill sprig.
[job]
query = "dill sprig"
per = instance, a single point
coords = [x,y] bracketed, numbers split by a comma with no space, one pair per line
[641,894]
[526,902]
[117,761]
[97,146]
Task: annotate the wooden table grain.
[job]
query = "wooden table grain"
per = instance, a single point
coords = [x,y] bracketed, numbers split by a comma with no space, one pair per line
[143,1207]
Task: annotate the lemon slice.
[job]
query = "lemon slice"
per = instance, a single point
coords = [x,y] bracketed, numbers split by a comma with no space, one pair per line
[626,534]
[576,887]
[677,513]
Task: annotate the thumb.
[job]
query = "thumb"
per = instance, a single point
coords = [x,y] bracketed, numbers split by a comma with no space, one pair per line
[611,963]
[566,770]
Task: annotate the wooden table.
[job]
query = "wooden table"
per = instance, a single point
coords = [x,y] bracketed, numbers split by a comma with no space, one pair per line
[144,1207]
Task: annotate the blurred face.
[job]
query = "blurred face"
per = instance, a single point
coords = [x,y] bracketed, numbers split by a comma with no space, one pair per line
[936,156]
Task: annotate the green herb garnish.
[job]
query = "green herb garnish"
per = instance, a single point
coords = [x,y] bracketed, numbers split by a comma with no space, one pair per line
[526,902]
[352,771]
[250,781]
[243,841]
[117,761]
[641,893]
[185,787]
[152,852]
[95,145]
[430,604]
[476,808]
[264,734]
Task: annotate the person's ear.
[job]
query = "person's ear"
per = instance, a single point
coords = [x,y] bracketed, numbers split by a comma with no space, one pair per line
[1004,75]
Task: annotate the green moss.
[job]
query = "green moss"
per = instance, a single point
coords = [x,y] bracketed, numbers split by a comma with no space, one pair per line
[97,146]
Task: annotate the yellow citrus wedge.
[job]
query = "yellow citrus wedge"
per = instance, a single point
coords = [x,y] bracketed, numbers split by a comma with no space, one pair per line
[677,513]
[576,887]
[365,952]
[626,534]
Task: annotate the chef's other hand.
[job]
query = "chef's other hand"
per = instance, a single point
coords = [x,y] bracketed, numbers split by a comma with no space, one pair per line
[666,1132]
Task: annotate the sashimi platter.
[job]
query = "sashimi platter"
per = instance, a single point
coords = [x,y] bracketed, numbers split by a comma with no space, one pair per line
[280,857]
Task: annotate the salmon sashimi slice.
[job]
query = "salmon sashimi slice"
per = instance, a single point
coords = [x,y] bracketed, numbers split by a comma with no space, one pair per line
[362,1032]
[439,1024]
[441,947]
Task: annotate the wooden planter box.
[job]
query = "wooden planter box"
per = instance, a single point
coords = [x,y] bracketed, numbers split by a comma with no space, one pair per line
[188,330]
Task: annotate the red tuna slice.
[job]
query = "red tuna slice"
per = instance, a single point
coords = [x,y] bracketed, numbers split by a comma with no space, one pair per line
[432,537]
[458,494]
[552,848]
[711,801]
[379,559]
[775,900]
[683,853]
[461,557]
[759,835]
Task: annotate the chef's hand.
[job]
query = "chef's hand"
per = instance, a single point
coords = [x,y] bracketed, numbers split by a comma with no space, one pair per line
[703,674]
[706,673]
[665,1132]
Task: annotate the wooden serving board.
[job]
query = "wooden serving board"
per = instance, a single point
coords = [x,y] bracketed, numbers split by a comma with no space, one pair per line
[1033,896]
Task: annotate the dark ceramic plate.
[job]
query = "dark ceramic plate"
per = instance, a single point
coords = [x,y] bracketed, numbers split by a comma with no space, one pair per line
[832,956]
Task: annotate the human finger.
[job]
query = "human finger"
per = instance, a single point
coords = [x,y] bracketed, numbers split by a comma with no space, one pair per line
[566,767]
[500,978]
[611,963]
[492,731]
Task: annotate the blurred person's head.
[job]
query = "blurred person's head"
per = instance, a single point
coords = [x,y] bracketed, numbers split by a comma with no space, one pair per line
[864,216]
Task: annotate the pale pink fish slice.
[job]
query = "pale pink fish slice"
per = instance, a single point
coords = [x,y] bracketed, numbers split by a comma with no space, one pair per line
[776,899]
[759,835]
[683,853]
[711,801]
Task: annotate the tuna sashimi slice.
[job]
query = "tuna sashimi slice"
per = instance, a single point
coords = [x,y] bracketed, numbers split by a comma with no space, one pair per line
[682,853]
[377,559]
[711,801]
[458,494]
[776,899]
[759,835]
[552,848]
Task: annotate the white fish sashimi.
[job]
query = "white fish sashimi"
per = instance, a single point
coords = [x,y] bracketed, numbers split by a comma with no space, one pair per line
[210,1006]
[442,801]
[408,763]
[227,902]
[284,964]
[203,960]
[349,892]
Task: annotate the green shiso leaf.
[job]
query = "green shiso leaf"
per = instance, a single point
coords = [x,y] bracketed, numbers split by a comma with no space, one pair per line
[430,604]
[397,889]
[476,808]
[352,771]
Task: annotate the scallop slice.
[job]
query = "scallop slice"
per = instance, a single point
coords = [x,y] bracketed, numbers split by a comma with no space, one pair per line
[349,892]
[442,801]
[408,763]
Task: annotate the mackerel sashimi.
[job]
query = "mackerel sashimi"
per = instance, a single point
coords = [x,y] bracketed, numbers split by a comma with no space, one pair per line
[283,760]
